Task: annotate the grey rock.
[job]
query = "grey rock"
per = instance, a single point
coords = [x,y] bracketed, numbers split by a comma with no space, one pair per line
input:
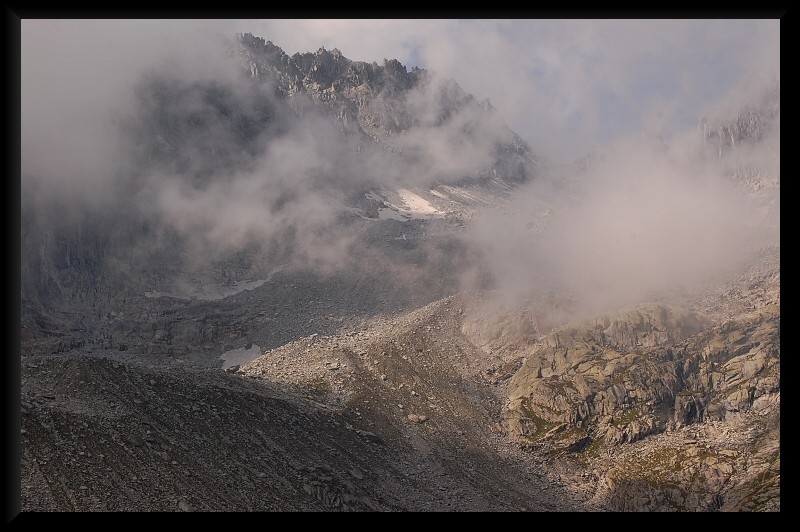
[369,436]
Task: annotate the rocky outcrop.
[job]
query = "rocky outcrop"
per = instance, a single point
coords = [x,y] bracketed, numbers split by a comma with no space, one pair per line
[604,380]
[747,145]
[643,372]
[661,408]
[719,466]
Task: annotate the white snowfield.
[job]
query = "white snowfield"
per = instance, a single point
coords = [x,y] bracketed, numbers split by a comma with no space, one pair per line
[411,206]
[415,203]
[238,357]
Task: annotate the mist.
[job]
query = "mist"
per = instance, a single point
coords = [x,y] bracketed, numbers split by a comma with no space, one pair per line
[174,132]
[78,78]
[152,124]
[643,221]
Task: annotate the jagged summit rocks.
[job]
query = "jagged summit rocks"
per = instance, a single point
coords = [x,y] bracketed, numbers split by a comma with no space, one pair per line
[386,102]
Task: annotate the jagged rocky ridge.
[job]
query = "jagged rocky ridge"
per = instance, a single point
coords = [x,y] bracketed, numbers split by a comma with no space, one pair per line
[386,102]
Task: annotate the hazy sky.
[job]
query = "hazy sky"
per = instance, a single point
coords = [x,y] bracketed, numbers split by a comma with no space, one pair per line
[565,85]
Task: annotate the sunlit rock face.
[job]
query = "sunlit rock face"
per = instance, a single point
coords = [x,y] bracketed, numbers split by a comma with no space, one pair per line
[646,371]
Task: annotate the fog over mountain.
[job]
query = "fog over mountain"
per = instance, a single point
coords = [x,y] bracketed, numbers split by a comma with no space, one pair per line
[636,223]
[561,238]
[223,160]
[200,150]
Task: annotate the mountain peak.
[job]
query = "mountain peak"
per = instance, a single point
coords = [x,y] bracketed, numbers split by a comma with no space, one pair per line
[382,101]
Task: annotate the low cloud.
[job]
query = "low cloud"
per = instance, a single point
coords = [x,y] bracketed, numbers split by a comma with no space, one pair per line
[633,224]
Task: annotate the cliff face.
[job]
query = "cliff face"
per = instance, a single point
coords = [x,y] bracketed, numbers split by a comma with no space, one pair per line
[662,406]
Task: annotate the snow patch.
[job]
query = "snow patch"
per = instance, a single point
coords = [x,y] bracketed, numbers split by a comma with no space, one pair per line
[240,356]
[415,203]
[411,206]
